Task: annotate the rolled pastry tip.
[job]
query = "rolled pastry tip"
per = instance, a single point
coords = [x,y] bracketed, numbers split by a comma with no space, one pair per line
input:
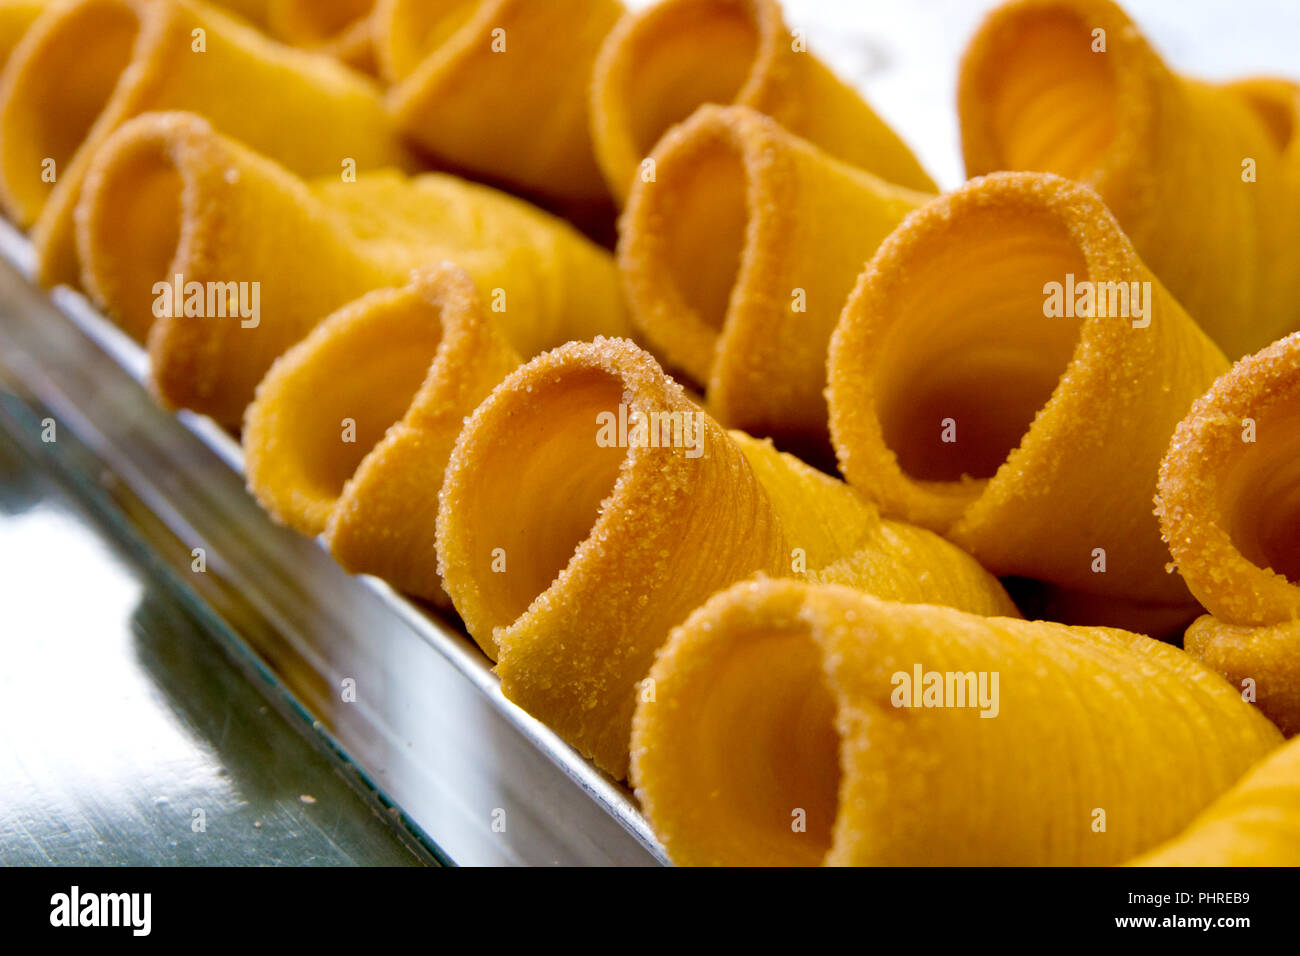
[661,63]
[1256,823]
[351,429]
[16,17]
[1191,169]
[167,196]
[1229,509]
[498,88]
[590,505]
[341,28]
[786,723]
[730,283]
[86,67]
[969,396]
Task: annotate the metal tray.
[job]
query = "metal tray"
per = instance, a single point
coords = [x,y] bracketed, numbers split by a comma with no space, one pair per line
[429,730]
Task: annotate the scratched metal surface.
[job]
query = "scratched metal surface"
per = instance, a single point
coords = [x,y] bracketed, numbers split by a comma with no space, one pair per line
[126,735]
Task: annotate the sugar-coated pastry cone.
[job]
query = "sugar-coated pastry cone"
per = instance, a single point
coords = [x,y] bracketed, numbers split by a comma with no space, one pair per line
[498,88]
[590,505]
[1256,823]
[738,257]
[86,67]
[1031,440]
[168,196]
[798,724]
[1229,508]
[1194,173]
[661,63]
[16,16]
[351,429]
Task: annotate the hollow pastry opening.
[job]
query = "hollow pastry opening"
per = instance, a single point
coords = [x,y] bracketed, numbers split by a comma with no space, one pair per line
[137,235]
[416,28]
[763,752]
[1276,103]
[356,384]
[314,22]
[688,54]
[704,232]
[970,356]
[1260,493]
[67,84]
[1053,103]
[539,488]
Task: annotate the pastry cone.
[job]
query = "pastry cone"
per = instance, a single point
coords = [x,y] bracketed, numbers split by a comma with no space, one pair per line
[405,367]
[660,63]
[498,88]
[342,28]
[737,260]
[789,725]
[1256,823]
[16,16]
[1229,507]
[168,196]
[571,542]
[1030,440]
[86,67]
[1165,152]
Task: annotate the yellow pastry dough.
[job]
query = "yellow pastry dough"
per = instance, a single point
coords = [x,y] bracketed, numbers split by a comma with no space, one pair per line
[88,66]
[738,257]
[661,63]
[16,16]
[498,87]
[1031,440]
[342,28]
[1256,823]
[168,196]
[1196,175]
[351,429]
[1229,507]
[799,724]
[571,540]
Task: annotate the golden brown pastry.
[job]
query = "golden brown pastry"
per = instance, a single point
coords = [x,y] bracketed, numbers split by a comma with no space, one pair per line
[1229,508]
[738,257]
[1256,823]
[168,196]
[794,724]
[1202,176]
[351,429]
[498,88]
[976,390]
[661,63]
[590,505]
[90,65]
[16,16]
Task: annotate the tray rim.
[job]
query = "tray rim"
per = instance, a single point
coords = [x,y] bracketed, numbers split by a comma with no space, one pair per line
[451,643]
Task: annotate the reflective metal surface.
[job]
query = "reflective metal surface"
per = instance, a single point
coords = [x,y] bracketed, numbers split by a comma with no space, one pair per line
[126,734]
[405,699]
